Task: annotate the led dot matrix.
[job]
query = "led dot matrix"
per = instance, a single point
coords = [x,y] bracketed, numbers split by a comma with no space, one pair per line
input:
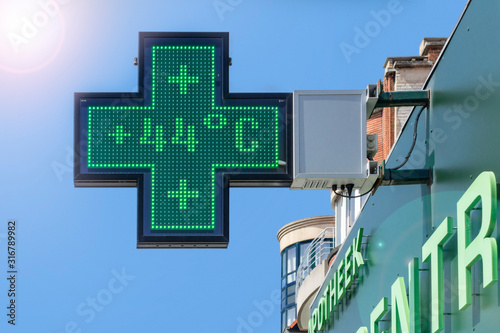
[182,138]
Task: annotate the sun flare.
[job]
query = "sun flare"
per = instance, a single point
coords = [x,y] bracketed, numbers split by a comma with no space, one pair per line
[31,34]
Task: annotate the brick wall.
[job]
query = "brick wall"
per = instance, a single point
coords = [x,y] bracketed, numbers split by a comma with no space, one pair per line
[374,126]
[433,53]
[388,117]
[403,73]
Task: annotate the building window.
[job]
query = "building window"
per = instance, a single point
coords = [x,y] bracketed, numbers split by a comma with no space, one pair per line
[352,209]
[346,213]
[290,261]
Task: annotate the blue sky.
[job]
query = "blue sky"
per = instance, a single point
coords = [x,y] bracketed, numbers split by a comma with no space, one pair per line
[79,245]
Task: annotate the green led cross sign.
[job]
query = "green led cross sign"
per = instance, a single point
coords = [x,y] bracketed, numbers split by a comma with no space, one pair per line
[182,140]
[183,79]
[183,194]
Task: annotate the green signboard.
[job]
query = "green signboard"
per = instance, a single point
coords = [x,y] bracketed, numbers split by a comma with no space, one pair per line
[405,311]
[431,250]
[182,140]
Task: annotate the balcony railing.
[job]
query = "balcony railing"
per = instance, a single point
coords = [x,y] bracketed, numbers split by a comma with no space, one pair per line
[316,252]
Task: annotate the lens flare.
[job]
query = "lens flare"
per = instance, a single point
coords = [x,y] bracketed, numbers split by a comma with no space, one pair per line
[31,34]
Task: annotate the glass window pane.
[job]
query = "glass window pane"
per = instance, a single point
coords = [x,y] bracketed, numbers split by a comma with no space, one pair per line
[290,300]
[331,245]
[290,316]
[283,282]
[283,294]
[291,261]
[290,290]
[283,263]
[283,321]
[303,248]
[291,278]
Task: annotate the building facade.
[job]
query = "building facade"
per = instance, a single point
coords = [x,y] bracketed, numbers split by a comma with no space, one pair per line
[299,239]
[422,256]
[401,73]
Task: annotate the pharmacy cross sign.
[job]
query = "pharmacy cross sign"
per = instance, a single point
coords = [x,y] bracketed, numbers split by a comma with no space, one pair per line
[182,140]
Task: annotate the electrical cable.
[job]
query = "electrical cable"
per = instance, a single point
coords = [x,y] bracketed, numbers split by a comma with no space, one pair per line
[334,187]
[414,140]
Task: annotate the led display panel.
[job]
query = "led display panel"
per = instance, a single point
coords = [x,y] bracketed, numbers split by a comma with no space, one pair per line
[182,139]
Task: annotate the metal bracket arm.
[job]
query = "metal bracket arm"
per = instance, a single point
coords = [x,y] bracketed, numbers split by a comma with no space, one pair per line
[377,98]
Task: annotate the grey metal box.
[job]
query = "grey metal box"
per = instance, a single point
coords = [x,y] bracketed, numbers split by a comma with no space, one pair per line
[329,138]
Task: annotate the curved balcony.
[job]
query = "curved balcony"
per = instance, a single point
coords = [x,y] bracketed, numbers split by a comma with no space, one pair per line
[311,273]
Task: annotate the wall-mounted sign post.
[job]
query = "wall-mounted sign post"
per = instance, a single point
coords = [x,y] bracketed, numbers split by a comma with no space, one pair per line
[182,140]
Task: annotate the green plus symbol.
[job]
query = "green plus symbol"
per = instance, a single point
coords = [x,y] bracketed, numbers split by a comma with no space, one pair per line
[183,136]
[119,134]
[183,194]
[183,79]
[184,142]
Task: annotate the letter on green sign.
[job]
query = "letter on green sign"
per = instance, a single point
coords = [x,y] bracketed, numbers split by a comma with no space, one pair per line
[400,310]
[333,292]
[315,320]
[482,189]
[326,296]
[348,268]
[433,251]
[321,313]
[414,284]
[377,314]
[405,316]
[357,257]
[340,281]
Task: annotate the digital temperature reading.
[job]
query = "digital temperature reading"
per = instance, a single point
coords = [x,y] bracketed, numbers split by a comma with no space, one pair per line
[182,140]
